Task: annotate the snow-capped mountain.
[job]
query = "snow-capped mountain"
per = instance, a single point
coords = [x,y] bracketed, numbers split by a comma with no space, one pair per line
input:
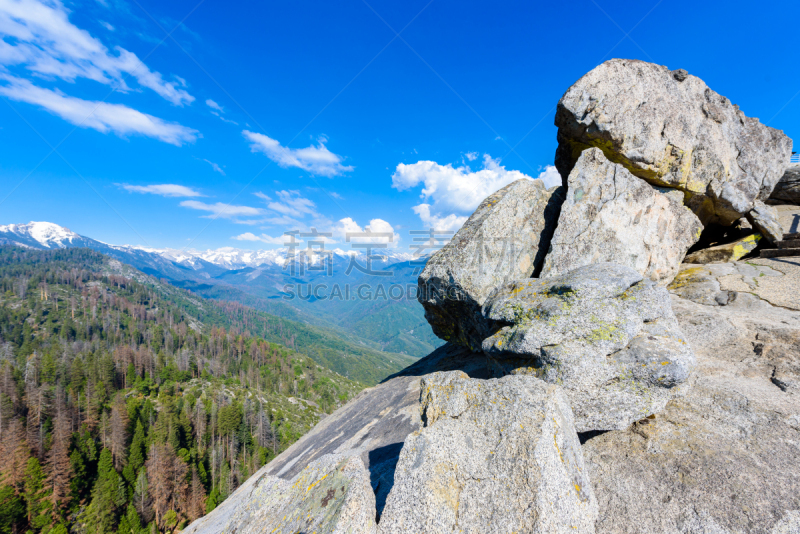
[48,235]
[40,234]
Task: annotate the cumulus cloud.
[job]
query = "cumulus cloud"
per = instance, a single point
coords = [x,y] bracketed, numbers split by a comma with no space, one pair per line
[454,188]
[165,190]
[314,159]
[550,176]
[216,167]
[262,196]
[39,37]
[100,116]
[457,191]
[222,210]
[449,223]
[377,231]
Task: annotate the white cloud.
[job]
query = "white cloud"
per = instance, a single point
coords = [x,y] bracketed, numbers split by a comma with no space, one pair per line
[165,190]
[376,226]
[336,195]
[262,196]
[223,119]
[44,41]
[292,204]
[216,167]
[451,222]
[550,177]
[314,159]
[100,116]
[107,26]
[454,189]
[471,156]
[220,209]
[263,238]
[213,105]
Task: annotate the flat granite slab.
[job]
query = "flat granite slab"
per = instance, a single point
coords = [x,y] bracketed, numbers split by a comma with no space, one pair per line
[775,280]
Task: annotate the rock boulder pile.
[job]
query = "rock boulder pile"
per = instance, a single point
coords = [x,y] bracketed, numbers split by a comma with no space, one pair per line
[611,366]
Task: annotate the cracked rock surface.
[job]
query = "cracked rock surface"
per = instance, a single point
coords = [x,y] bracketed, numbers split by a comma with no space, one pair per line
[604,334]
[722,458]
[496,455]
[610,215]
[332,494]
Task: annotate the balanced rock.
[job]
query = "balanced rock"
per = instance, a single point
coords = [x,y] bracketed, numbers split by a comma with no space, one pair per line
[505,238]
[604,334]
[787,191]
[765,219]
[610,215]
[332,494]
[669,128]
[494,456]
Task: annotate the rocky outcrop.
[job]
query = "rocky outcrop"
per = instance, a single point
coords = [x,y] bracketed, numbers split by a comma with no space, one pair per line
[765,219]
[332,494]
[722,458]
[605,335]
[728,252]
[671,129]
[609,215]
[787,190]
[494,456]
[505,239]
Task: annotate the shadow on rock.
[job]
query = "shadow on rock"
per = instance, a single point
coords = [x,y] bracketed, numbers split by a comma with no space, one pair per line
[382,464]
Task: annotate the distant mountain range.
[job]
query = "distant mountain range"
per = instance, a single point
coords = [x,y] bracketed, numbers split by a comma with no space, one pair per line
[290,288]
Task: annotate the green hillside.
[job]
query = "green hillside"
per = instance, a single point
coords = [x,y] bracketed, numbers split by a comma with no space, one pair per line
[131,406]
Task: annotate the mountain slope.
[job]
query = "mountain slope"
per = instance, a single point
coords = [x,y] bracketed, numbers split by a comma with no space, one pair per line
[260,279]
[128,405]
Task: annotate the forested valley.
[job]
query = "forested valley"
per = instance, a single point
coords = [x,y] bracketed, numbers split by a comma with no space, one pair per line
[128,405]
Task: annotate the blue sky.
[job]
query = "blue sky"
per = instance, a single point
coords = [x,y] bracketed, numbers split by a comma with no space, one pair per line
[178,124]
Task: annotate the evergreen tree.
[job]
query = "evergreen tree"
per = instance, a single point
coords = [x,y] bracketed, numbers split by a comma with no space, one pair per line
[108,495]
[12,510]
[36,495]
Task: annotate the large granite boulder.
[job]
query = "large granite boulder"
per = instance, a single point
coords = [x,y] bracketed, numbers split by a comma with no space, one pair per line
[765,219]
[671,129]
[610,215]
[494,456]
[787,191]
[604,334]
[723,458]
[505,238]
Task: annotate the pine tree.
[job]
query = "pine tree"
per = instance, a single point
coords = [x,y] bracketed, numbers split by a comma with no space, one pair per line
[36,495]
[159,479]
[12,510]
[15,454]
[58,461]
[119,431]
[108,495]
[197,499]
